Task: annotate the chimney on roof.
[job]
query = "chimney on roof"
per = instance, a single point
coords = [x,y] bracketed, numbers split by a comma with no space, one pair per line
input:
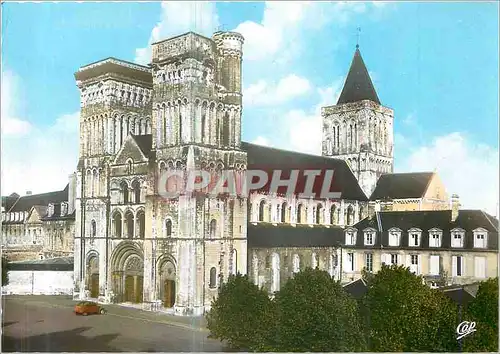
[455,206]
[387,205]
[29,192]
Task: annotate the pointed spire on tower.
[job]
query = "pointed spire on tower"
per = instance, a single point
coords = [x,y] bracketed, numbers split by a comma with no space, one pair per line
[358,85]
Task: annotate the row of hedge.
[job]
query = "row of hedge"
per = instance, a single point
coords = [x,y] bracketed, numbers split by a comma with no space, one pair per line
[313,313]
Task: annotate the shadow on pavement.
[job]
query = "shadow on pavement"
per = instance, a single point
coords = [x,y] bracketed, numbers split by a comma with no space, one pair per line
[63,341]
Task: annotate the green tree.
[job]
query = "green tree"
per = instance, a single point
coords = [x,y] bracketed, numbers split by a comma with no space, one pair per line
[484,311]
[242,315]
[403,314]
[315,314]
[5,271]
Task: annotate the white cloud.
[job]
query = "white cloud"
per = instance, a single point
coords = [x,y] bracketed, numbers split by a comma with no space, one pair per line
[290,87]
[260,140]
[305,129]
[34,158]
[466,168]
[11,124]
[284,22]
[178,17]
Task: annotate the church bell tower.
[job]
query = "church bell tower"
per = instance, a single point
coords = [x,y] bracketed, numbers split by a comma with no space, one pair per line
[359,129]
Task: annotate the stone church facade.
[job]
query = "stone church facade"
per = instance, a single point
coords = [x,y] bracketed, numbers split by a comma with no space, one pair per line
[183,112]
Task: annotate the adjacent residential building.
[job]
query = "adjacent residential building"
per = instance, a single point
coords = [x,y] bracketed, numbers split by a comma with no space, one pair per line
[38,226]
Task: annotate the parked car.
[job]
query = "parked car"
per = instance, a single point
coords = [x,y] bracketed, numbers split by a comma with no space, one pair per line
[88,308]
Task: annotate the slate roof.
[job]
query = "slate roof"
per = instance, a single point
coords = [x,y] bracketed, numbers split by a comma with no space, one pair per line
[358,84]
[357,289]
[267,158]
[402,185]
[145,143]
[25,203]
[266,235]
[57,215]
[468,220]
[54,264]
[9,200]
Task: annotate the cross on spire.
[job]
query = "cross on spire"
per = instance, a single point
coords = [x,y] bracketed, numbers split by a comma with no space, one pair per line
[357,36]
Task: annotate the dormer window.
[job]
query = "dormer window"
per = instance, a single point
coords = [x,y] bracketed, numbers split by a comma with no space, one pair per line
[414,236]
[350,237]
[50,210]
[457,238]
[394,237]
[435,238]
[480,238]
[64,209]
[369,237]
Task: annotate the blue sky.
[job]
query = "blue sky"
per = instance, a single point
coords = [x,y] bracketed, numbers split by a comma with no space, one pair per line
[435,64]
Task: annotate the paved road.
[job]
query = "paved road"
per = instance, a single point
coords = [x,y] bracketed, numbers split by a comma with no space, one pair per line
[47,324]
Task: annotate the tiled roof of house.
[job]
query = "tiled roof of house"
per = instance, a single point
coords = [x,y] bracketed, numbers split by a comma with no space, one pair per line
[263,157]
[468,220]
[358,84]
[267,235]
[402,185]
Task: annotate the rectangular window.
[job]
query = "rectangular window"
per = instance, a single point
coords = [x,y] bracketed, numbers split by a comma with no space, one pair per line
[394,239]
[480,267]
[369,262]
[394,259]
[350,262]
[434,265]
[434,240]
[479,241]
[369,239]
[457,240]
[457,266]
[414,239]
[414,263]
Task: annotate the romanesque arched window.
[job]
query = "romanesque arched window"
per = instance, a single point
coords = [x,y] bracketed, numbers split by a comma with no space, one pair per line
[93,229]
[319,211]
[136,186]
[213,228]
[168,227]
[124,190]
[213,278]
[262,208]
[117,224]
[129,222]
[225,130]
[203,118]
[284,207]
[141,224]
[350,215]
[129,167]
[333,215]
[300,208]
[180,126]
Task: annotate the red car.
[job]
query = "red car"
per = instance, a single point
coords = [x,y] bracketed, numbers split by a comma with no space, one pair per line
[88,308]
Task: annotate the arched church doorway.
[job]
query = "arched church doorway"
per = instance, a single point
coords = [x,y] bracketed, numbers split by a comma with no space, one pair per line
[93,275]
[167,285]
[134,279]
[127,264]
